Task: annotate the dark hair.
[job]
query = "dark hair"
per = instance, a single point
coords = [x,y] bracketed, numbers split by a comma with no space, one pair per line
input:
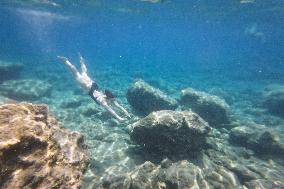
[108,94]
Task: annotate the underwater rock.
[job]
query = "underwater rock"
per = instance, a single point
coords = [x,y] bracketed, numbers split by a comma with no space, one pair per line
[145,99]
[242,172]
[170,132]
[211,108]
[25,90]
[260,139]
[221,166]
[181,174]
[36,152]
[222,94]
[273,99]
[242,164]
[10,71]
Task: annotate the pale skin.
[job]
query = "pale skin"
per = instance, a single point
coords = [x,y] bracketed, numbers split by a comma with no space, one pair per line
[86,83]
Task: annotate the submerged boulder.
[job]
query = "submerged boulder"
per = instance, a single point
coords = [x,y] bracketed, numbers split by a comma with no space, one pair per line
[36,152]
[211,108]
[10,71]
[273,99]
[260,139]
[169,132]
[145,99]
[25,90]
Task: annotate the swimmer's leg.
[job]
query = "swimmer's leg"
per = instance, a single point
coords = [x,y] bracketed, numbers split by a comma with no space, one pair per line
[69,65]
[82,63]
[121,108]
[108,108]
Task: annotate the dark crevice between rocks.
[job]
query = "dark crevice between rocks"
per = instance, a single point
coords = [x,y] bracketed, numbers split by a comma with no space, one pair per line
[27,145]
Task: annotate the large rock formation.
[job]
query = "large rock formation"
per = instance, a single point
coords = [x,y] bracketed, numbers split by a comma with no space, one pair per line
[260,139]
[25,90]
[9,71]
[36,152]
[145,99]
[211,108]
[273,99]
[170,132]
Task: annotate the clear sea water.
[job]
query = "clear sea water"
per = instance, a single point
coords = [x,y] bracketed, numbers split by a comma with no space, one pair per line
[229,48]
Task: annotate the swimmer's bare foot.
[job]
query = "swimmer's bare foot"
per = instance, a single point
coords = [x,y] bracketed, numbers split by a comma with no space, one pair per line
[120,119]
[63,58]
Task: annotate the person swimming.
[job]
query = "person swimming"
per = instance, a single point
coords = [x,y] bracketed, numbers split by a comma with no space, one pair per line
[105,99]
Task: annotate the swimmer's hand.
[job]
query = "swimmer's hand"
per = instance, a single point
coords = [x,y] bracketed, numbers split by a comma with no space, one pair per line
[120,119]
[128,115]
[63,58]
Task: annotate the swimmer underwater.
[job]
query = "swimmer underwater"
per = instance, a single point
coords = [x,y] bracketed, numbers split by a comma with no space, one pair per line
[105,99]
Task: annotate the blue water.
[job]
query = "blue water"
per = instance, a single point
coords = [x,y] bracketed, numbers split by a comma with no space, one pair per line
[234,47]
[171,34]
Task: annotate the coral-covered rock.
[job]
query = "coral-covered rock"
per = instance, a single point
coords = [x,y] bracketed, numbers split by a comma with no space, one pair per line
[211,108]
[258,138]
[145,99]
[273,99]
[36,152]
[170,132]
[9,71]
[25,90]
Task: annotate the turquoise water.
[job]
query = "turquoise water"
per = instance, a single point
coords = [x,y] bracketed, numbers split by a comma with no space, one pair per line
[231,49]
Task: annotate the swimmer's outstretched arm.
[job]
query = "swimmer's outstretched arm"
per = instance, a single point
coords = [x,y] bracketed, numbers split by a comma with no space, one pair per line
[82,63]
[121,108]
[69,65]
[108,108]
